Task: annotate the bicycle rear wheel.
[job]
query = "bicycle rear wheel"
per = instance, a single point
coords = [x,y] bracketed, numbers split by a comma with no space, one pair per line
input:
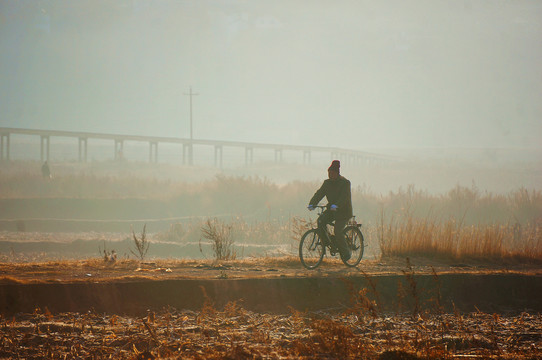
[354,240]
[311,249]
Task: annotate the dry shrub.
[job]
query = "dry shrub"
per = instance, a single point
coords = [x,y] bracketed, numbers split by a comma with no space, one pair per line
[141,244]
[363,301]
[233,308]
[361,304]
[208,309]
[221,238]
[411,291]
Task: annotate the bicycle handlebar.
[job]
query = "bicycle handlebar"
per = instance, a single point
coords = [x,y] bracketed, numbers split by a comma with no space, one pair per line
[320,208]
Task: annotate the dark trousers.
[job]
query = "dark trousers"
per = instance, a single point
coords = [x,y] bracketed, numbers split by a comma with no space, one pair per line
[326,218]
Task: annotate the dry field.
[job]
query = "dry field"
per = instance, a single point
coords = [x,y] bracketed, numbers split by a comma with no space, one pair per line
[358,327]
[235,333]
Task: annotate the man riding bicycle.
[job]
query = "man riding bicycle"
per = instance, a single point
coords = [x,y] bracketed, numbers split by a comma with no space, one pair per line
[339,208]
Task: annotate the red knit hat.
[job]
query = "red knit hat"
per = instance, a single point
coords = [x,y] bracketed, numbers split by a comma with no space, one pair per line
[335,166]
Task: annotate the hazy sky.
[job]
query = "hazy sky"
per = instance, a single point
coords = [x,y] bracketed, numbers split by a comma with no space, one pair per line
[356,74]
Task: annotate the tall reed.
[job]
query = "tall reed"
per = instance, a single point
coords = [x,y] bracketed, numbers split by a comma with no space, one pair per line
[454,240]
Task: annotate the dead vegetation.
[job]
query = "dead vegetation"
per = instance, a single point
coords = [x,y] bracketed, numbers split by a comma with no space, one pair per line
[462,226]
[141,244]
[220,235]
[408,226]
[358,329]
[235,333]
[452,240]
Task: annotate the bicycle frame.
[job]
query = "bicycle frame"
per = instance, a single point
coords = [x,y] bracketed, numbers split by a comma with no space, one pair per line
[320,238]
[330,239]
[329,242]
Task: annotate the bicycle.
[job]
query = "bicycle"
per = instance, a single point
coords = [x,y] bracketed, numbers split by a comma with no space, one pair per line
[313,244]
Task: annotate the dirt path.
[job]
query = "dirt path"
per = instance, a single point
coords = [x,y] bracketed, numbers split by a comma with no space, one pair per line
[98,270]
[265,284]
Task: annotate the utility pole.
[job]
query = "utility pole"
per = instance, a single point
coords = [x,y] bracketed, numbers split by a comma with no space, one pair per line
[190,151]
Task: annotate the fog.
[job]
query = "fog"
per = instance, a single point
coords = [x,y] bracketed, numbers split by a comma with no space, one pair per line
[353,74]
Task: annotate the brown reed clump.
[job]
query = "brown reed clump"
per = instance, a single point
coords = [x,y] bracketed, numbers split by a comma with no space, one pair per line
[453,240]
[469,226]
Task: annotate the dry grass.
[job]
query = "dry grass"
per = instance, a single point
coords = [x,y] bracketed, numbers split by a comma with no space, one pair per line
[463,223]
[236,333]
[450,239]
[452,232]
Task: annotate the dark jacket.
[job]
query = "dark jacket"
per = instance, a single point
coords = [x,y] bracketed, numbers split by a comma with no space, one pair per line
[337,192]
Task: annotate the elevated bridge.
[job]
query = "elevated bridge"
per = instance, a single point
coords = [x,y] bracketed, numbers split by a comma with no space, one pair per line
[118,140]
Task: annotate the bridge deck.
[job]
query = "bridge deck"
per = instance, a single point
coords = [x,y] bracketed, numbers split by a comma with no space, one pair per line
[187,143]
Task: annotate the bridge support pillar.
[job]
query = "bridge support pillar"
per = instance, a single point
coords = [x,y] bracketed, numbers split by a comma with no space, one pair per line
[359,160]
[2,136]
[352,159]
[218,156]
[44,147]
[278,155]
[153,144]
[249,156]
[119,149]
[83,149]
[188,154]
[306,157]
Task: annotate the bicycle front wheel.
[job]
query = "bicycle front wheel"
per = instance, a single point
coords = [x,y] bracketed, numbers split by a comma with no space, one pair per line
[311,249]
[354,240]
